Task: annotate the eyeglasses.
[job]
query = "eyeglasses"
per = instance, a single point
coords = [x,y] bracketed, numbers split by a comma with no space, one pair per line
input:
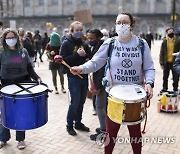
[123,22]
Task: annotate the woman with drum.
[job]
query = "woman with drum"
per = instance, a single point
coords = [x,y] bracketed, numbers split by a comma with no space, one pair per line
[129,62]
[15,68]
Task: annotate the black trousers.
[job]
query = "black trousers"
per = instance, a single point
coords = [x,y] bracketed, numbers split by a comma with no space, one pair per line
[166,71]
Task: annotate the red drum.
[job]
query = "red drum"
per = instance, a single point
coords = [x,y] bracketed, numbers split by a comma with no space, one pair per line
[172,105]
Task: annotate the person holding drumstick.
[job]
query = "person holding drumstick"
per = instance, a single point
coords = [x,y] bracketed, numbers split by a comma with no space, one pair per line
[15,67]
[74,52]
[126,56]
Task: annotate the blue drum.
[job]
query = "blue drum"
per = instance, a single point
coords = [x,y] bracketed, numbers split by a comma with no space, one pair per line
[24,106]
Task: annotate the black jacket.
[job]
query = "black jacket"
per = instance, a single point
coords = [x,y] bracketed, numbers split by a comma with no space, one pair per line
[68,51]
[98,75]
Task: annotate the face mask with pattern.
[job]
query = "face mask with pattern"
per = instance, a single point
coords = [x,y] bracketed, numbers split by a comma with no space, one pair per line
[123,30]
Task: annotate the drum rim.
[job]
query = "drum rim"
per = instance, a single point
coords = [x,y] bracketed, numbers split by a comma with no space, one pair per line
[28,94]
[128,101]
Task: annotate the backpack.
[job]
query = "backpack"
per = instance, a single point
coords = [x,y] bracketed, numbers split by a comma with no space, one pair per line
[111,46]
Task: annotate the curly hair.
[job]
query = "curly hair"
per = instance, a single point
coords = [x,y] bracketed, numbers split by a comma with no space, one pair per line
[5,46]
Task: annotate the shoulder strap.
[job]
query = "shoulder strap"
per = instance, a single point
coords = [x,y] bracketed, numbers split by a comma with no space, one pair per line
[141,45]
[110,49]
[111,45]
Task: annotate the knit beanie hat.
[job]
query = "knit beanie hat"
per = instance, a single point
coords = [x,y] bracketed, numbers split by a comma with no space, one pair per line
[55,39]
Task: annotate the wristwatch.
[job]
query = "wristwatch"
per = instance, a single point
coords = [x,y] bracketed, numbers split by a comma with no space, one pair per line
[151,84]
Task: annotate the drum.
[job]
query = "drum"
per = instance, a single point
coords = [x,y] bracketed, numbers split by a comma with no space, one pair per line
[24,106]
[127,104]
[172,102]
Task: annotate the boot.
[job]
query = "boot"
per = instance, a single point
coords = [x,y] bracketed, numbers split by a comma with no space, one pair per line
[62,89]
[56,90]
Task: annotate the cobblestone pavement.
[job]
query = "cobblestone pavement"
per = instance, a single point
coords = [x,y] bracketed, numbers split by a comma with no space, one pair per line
[52,138]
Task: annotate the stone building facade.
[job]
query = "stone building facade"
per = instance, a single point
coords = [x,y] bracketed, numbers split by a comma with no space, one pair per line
[151,15]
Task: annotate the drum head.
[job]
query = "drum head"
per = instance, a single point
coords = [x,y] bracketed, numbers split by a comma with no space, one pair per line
[31,88]
[128,93]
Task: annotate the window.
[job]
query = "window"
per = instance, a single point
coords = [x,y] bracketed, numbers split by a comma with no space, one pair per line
[55,2]
[143,1]
[128,1]
[26,2]
[113,1]
[83,1]
[41,2]
[159,1]
[98,1]
[69,1]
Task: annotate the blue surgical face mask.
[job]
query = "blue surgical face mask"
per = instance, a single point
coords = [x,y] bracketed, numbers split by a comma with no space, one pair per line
[92,43]
[77,35]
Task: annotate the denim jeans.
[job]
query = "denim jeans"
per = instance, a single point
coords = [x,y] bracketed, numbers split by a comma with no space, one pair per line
[78,91]
[5,134]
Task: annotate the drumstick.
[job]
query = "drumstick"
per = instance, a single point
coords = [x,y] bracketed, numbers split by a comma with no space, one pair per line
[59,59]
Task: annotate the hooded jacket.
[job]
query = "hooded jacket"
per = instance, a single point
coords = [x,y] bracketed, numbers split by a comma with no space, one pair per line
[69,53]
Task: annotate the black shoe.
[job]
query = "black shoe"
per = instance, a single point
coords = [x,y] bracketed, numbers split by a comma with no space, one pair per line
[163,91]
[41,61]
[93,137]
[82,127]
[98,130]
[71,131]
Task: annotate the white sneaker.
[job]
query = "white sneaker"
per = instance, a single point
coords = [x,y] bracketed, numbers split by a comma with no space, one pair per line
[21,145]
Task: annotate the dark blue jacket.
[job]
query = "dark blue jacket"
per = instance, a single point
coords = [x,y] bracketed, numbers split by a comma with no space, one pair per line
[176,64]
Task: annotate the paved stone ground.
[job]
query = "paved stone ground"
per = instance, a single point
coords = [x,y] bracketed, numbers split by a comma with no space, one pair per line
[52,138]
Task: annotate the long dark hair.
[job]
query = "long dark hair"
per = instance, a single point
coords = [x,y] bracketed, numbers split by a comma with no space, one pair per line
[96,32]
[5,46]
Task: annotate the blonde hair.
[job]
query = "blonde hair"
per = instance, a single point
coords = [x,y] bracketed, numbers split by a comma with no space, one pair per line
[71,27]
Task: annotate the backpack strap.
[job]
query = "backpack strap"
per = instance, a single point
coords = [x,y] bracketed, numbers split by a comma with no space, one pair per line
[141,45]
[110,49]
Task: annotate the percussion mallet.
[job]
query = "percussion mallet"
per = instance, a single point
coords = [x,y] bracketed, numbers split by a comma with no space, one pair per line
[59,59]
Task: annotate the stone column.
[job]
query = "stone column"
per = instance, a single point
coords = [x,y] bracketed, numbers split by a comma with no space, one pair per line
[152,6]
[136,6]
[5,8]
[46,7]
[168,6]
[120,7]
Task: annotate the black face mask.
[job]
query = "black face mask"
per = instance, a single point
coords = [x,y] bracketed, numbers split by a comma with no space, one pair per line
[171,35]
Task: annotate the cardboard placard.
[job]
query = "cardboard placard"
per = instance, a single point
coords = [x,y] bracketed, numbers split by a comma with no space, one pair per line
[84,16]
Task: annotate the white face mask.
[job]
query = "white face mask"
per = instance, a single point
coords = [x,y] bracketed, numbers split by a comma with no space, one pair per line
[123,30]
[11,42]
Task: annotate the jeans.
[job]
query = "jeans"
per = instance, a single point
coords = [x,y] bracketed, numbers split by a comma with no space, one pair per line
[5,134]
[78,91]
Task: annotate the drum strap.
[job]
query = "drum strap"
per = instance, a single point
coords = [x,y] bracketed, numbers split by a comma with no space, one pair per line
[147,105]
